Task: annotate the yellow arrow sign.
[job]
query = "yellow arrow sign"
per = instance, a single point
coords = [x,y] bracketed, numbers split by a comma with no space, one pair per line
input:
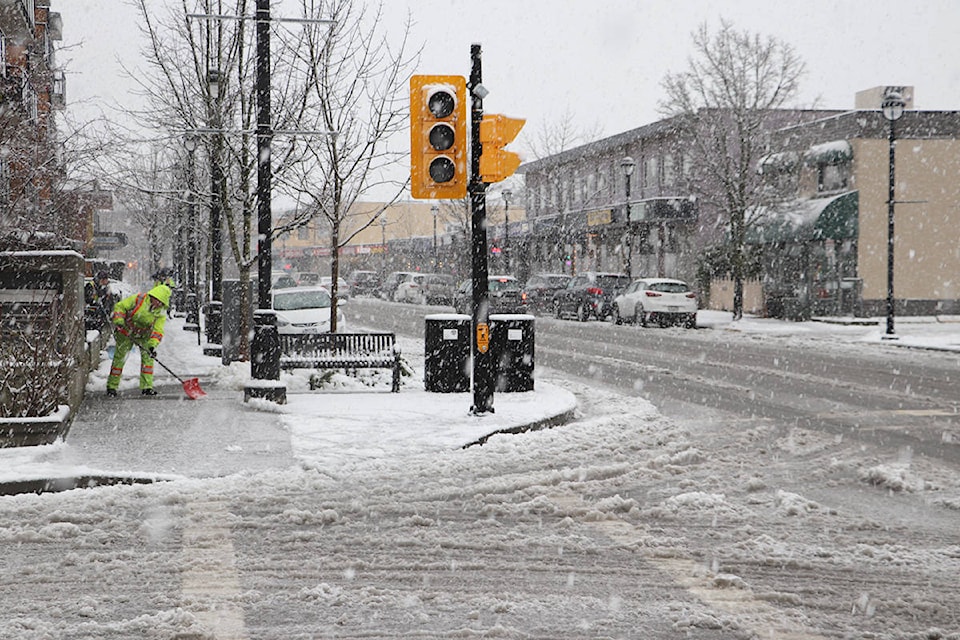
[496,132]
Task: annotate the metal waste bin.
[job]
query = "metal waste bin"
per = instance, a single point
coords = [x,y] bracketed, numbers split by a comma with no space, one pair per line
[231,317]
[511,344]
[447,353]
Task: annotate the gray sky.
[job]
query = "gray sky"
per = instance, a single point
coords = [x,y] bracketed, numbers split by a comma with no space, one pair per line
[600,60]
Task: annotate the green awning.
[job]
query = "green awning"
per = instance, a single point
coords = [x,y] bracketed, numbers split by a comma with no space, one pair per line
[813,220]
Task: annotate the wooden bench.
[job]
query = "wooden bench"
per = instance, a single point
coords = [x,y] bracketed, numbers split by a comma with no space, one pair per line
[341,351]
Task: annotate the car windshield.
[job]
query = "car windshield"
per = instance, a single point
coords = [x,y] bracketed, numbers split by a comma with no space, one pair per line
[670,287]
[503,284]
[557,281]
[296,300]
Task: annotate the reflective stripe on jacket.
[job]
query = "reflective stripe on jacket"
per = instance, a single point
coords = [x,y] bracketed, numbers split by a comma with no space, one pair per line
[137,321]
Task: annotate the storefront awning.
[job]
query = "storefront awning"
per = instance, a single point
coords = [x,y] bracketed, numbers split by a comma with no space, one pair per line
[816,219]
[835,152]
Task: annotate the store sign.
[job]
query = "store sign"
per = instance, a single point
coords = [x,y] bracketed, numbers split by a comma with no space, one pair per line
[595,218]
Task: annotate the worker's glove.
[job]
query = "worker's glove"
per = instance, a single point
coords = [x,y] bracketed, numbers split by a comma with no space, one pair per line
[152,352]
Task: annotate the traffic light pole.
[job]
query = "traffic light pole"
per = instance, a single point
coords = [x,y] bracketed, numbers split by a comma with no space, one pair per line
[483,365]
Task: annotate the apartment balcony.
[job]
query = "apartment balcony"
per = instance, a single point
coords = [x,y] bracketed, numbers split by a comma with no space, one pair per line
[17,19]
[58,90]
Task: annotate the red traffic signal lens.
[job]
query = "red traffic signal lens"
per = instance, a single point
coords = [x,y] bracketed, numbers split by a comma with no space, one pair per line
[442,169]
[441,137]
[441,103]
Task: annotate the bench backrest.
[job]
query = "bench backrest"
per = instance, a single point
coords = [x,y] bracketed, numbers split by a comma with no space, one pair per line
[373,344]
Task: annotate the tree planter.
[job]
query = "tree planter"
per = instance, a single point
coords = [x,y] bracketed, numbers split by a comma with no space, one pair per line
[43,364]
[31,432]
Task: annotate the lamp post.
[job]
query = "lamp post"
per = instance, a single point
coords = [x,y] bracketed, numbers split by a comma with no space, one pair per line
[215,317]
[265,348]
[434,209]
[892,106]
[627,165]
[507,194]
[383,245]
[193,319]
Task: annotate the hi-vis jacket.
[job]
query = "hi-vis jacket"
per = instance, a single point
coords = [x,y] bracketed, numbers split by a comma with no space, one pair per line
[134,319]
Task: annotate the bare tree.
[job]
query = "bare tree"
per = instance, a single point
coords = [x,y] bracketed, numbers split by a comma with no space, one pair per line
[183,56]
[556,137]
[727,99]
[550,140]
[357,93]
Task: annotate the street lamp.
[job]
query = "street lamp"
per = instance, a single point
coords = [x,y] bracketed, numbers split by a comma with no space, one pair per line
[215,315]
[627,165]
[193,318]
[434,209]
[507,194]
[892,106]
[383,245]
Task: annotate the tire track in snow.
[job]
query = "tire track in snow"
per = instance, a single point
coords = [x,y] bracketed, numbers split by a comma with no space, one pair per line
[210,582]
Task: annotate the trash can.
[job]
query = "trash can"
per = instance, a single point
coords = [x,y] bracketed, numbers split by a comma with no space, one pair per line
[511,343]
[231,317]
[446,353]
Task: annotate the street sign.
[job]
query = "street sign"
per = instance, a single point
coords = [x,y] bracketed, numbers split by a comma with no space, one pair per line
[107,240]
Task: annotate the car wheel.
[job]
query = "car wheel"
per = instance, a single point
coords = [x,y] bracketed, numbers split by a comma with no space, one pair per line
[617,318]
[639,317]
[582,314]
[691,322]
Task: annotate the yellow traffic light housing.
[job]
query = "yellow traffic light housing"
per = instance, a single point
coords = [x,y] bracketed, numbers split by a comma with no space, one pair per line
[496,132]
[439,147]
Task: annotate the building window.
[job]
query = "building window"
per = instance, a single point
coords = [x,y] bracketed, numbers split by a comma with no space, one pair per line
[832,177]
[650,172]
[669,177]
[303,233]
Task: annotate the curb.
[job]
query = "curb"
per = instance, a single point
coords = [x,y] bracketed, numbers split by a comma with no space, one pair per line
[545,423]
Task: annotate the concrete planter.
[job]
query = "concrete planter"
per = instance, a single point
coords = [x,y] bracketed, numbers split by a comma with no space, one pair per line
[31,432]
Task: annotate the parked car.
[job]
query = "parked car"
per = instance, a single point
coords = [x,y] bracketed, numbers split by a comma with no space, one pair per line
[589,295]
[304,310]
[503,295]
[426,288]
[364,283]
[282,280]
[389,286]
[657,300]
[308,279]
[537,294]
[343,289]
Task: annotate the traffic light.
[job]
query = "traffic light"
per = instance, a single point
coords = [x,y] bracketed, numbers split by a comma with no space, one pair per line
[496,132]
[439,148]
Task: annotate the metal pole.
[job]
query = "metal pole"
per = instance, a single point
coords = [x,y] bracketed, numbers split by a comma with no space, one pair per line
[434,209]
[383,246]
[215,315]
[193,316]
[629,261]
[890,230]
[483,363]
[506,229]
[265,348]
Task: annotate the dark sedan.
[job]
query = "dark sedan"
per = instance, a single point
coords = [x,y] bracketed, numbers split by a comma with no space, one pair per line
[537,294]
[589,295]
[503,295]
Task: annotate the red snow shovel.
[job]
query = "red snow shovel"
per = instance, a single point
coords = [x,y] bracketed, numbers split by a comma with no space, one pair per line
[191,387]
